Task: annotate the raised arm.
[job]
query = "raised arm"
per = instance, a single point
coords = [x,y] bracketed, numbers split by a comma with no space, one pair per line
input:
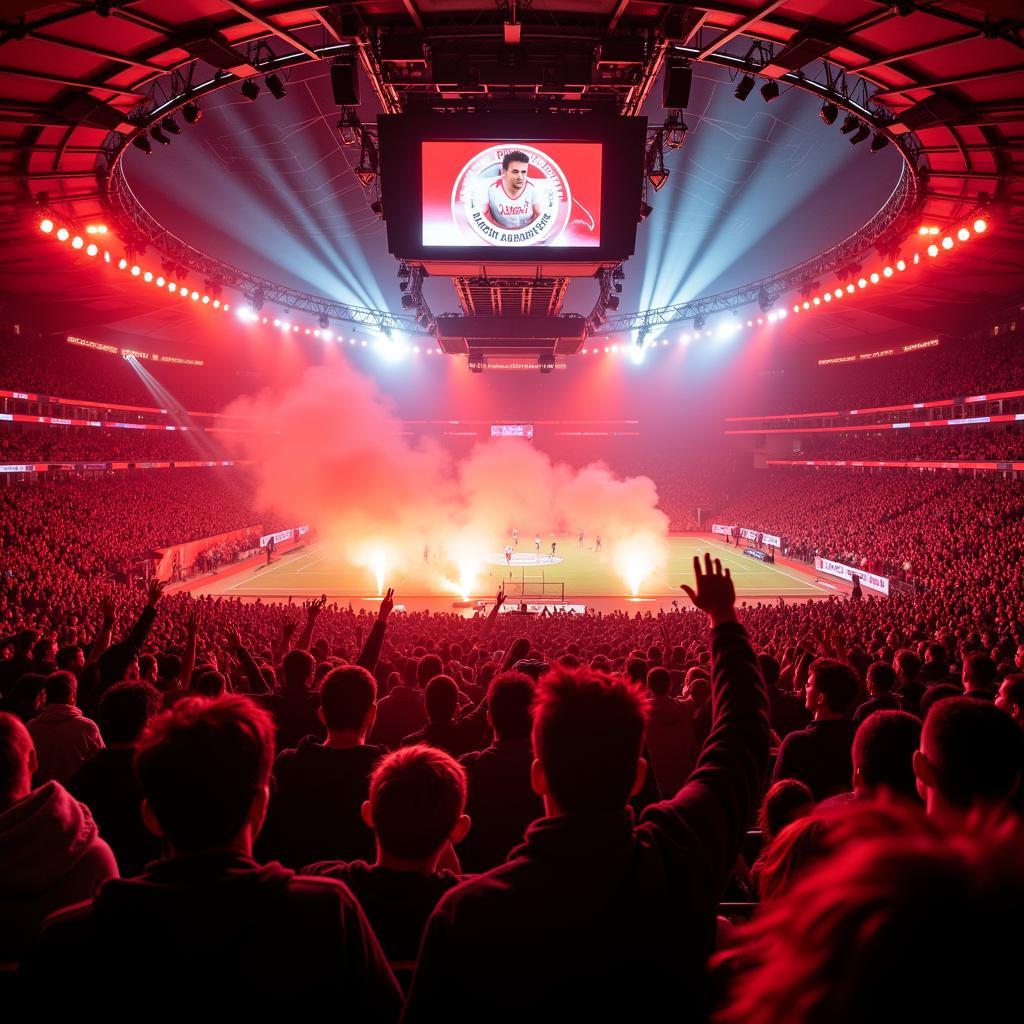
[492,616]
[103,637]
[188,662]
[717,804]
[313,609]
[370,653]
[257,684]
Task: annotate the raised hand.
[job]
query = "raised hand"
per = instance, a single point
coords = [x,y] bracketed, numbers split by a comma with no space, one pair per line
[192,623]
[156,589]
[107,607]
[499,599]
[715,593]
[233,636]
[288,627]
[386,605]
[315,607]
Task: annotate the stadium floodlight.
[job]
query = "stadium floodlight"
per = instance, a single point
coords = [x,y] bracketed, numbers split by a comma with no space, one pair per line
[324,320]
[849,124]
[170,126]
[829,113]
[250,90]
[612,302]
[860,135]
[770,91]
[275,86]
[744,88]
[191,112]
[158,136]
[409,302]
[142,142]
[646,210]
[980,225]
[878,142]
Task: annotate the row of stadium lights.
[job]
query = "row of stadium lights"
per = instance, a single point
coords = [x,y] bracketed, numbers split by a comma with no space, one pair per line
[945,244]
[248,315]
[245,314]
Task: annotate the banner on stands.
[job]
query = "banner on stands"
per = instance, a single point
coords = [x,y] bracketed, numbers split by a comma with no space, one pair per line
[847,572]
[765,538]
[283,535]
[719,528]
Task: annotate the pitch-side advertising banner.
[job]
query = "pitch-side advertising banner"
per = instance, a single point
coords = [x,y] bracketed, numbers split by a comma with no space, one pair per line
[847,572]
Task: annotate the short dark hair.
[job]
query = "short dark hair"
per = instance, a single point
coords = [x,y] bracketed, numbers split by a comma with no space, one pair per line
[297,667]
[124,710]
[208,682]
[441,699]
[659,681]
[933,694]
[883,751]
[907,663]
[881,676]
[67,656]
[636,669]
[837,681]
[516,156]
[346,696]
[168,666]
[417,794]
[974,749]
[588,729]
[980,670]
[200,766]
[510,702]
[769,669]
[61,687]
[781,804]
[15,744]
[427,667]
[1014,685]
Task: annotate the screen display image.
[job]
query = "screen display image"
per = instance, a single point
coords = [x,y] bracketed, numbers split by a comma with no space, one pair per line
[512,430]
[511,194]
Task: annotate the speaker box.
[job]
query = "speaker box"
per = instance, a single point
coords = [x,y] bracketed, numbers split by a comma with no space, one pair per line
[345,84]
[675,90]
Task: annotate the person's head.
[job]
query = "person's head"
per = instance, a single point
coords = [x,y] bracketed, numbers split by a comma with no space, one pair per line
[970,755]
[27,696]
[931,696]
[786,801]
[25,641]
[769,669]
[204,768]
[17,760]
[636,671]
[881,679]
[831,688]
[417,799]
[61,688]
[44,650]
[208,682]
[860,935]
[588,730]
[124,711]
[658,681]
[907,664]
[883,754]
[979,674]
[697,686]
[148,669]
[1011,696]
[168,671]
[791,854]
[429,665]
[510,705]
[348,700]
[70,658]
[515,167]
[297,668]
[441,699]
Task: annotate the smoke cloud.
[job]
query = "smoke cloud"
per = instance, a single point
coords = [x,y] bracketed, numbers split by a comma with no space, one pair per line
[338,460]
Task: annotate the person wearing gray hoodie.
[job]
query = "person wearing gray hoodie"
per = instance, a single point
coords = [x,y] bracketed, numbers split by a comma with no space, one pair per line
[51,853]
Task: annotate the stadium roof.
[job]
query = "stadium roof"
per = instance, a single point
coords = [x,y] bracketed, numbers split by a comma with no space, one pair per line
[950,73]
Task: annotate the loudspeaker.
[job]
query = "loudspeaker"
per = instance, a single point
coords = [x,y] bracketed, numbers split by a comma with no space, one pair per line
[345,84]
[675,90]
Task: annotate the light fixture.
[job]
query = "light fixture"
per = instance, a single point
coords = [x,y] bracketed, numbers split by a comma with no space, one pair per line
[46,225]
[860,135]
[158,136]
[657,172]
[170,125]
[275,86]
[646,210]
[324,321]
[746,85]
[142,142]
[770,91]
[829,113]
[963,234]
[879,142]
[849,124]
[191,112]
[250,89]
[980,225]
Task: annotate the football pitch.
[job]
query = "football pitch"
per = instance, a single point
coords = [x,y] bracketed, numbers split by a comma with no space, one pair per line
[579,575]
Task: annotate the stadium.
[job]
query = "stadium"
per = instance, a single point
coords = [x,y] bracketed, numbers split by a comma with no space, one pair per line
[524,490]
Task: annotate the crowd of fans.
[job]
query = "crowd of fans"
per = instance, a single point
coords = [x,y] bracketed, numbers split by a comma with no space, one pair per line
[85,444]
[953,369]
[974,444]
[435,815]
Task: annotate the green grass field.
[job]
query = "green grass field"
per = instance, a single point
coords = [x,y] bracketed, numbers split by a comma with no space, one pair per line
[585,575]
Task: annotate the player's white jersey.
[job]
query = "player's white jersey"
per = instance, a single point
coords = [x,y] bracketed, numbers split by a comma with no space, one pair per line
[509,212]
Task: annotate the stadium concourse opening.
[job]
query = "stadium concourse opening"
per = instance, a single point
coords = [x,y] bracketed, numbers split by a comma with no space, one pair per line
[573,578]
